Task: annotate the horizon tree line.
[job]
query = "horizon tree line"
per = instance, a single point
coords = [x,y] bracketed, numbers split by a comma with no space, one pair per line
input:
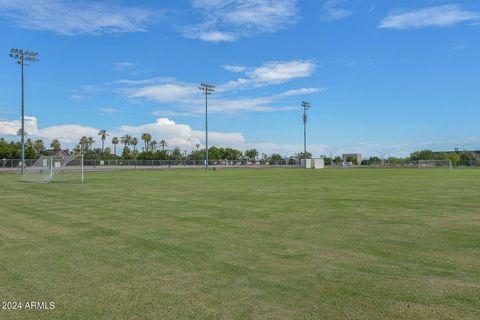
[153,150]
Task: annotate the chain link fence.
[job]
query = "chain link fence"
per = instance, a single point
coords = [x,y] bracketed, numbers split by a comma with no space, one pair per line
[12,165]
[9,165]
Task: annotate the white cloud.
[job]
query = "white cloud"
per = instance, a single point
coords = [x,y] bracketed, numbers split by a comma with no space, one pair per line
[76,17]
[228,20]
[273,73]
[214,36]
[332,10]
[182,135]
[235,69]
[278,72]
[166,92]
[439,16]
[301,91]
[109,110]
[69,133]
[246,104]
[145,81]
[78,97]
[122,66]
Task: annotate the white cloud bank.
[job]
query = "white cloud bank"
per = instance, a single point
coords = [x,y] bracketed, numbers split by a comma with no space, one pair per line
[177,135]
[439,16]
[69,133]
[76,17]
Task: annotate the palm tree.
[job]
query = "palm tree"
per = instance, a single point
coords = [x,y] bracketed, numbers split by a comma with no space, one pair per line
[134,143]
[126,140]
[91,141]
[153,145]
[84,143]
[19,133]
[163,144]
[146,137]
[103,135]
[55,145]
[38,146]
[115,142]
[197,145]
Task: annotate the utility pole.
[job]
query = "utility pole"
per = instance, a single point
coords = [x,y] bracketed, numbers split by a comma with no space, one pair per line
[21,56]
[306,106]
[207,90]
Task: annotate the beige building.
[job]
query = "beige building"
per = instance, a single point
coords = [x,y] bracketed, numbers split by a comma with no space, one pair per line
[356,156]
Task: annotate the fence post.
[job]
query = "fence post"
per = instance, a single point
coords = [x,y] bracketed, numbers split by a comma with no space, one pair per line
[82,167]
[51,168]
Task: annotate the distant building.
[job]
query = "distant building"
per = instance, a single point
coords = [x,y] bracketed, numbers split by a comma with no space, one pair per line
[356,156]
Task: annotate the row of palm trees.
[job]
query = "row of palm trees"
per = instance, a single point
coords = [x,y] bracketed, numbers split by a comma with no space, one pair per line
[38,145]
[127,140]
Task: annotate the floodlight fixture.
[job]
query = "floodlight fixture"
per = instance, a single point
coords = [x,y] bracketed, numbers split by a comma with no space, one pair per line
[207,89]
[21,56]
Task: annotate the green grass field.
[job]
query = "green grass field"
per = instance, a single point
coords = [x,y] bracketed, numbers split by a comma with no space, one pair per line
[244,244]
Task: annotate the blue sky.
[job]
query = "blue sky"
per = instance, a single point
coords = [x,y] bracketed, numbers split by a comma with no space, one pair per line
[382,76]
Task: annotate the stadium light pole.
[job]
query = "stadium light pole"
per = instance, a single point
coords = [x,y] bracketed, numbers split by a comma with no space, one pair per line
[22,56]
[306,106]
[207,89]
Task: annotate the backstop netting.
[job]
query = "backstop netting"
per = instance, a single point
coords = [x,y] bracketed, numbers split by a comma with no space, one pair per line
[447,164]
[60,167]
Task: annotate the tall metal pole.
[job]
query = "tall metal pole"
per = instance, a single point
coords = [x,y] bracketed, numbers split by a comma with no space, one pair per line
[305,133]
[206,131]
[207,90]
[21,56]
[23,118]
[305,105]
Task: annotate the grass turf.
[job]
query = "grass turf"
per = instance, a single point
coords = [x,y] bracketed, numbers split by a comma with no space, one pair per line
[238,244]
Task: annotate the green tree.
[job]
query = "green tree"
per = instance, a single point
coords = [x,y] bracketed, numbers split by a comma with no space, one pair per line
[453,157]
[352,159]
[153,145]
[146,137]
[115,141]
[422,155]
[84,144]
[251,154]
[134,144]
[276,158]
[126,140]
[91,141]
[327,160]
[55,144]
[39,147]
[163,144]
[103,135]
[176,154]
